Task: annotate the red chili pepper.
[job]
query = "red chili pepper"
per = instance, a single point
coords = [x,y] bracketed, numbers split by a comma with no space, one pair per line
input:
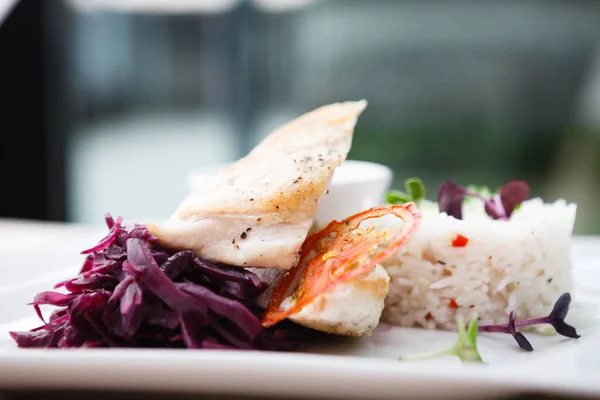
[452,303]
[460,241]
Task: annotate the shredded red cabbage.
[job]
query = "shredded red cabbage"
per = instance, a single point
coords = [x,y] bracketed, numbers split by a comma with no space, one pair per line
[131,292]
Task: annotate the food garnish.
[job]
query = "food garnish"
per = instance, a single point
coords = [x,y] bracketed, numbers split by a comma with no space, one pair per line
[415,191]
[556,319]
[465,347]
[499,206]
[343,252]
[131,292]
[450,197]
[460,241]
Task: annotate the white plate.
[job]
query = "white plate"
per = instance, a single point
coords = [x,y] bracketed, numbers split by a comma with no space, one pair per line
[365,368]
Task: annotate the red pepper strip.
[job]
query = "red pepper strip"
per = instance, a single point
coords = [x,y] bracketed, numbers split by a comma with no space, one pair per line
[460,241]
[336,260]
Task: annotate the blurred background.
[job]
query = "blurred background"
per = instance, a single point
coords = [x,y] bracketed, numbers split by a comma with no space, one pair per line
[107,105]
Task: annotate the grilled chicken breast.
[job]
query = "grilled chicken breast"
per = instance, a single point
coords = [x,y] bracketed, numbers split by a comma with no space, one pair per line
[258,211]
[352,308]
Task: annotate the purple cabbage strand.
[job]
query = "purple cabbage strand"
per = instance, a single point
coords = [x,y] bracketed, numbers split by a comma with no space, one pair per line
[131,292]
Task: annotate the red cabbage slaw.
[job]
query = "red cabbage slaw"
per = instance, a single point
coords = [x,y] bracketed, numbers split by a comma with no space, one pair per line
[131,292]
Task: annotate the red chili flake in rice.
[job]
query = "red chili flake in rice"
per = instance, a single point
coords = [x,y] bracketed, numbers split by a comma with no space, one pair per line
[460,241]
[452,303]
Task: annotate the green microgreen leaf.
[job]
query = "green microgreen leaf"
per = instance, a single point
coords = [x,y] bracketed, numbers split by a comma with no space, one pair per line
[416,188]
[472,331]
[397,197]
[465,347]
[415,191]
[482,190]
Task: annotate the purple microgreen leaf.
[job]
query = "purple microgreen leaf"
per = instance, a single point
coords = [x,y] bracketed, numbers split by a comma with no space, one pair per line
[513,194]
[561,308]
[494,208]
[499,206]
[556,318]
[519,337]
[559,313]
[450,199]
[564,329]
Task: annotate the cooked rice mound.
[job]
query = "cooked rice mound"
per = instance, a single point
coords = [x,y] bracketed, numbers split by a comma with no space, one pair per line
[523,264]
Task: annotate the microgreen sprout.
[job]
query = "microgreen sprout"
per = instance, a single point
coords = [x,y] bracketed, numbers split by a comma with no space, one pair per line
[482,190]
[465,347]
[519,337]
[498,206]
[415,191]
[556,318]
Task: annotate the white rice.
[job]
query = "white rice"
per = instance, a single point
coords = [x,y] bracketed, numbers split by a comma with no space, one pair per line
[523,264]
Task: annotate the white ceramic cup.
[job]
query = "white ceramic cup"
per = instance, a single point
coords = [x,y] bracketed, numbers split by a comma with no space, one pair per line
[356,186]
